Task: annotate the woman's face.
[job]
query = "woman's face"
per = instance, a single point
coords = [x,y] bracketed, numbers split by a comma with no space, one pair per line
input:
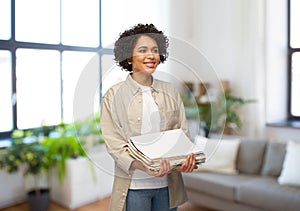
[145,57]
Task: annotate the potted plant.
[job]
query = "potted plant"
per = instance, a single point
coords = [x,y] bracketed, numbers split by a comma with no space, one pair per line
[199,111]
[30,156]
[62,144]
[220,115]
[228,117]
[36,151]
[68,152]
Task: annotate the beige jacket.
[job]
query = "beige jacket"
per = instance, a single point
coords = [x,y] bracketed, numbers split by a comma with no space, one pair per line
[121,118]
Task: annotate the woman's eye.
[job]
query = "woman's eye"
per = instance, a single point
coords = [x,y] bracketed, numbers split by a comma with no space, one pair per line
[155,51]
[142,51]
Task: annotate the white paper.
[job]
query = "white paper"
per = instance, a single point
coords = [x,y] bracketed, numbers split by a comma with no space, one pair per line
[165,144]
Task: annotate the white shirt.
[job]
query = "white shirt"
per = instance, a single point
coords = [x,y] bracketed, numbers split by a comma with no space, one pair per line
[150,124]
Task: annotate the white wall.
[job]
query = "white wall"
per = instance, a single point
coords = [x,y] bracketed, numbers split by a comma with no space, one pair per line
[243,41]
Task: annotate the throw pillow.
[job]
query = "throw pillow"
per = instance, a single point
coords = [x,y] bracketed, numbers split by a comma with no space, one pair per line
[290,174]
[250,156]
[221,156]
[274,158]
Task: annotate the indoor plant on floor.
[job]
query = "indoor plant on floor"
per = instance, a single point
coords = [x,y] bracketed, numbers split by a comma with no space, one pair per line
[27,154]
[62,144]
[36,153]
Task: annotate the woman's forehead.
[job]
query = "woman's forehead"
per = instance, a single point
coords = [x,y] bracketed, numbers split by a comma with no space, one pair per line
[146,41]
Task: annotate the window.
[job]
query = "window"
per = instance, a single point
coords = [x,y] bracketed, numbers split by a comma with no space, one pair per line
[44,48]
[6,111]
[294,60]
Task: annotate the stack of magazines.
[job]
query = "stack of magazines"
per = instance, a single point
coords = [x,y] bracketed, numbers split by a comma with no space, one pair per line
[172,145]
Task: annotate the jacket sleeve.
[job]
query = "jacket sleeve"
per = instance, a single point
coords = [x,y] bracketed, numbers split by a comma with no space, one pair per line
[183,123]
[116,143]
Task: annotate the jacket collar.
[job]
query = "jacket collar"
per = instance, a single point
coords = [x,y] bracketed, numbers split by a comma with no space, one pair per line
[134,88]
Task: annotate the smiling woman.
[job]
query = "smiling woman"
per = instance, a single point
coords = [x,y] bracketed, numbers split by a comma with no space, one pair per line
[140,105]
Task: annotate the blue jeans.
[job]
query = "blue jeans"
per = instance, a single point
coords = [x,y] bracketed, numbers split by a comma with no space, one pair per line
[148,200]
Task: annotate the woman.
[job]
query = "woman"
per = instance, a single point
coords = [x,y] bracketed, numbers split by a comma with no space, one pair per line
[139,105]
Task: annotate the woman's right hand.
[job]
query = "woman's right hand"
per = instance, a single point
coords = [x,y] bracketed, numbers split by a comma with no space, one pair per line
[165,168]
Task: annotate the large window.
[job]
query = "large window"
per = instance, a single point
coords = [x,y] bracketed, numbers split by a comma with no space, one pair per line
[44,47]
[294,59]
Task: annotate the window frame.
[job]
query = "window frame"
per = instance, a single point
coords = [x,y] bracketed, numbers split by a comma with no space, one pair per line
[12,45]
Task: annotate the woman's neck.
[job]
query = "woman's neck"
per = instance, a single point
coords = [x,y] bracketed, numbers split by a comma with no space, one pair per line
[143,79]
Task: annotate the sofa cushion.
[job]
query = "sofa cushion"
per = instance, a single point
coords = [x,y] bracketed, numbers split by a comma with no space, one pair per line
[221,156]
[290,174]
[215,184]
[250,156]
[266,193]
[274,157]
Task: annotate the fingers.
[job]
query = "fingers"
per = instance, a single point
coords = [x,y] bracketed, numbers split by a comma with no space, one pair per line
[189,165]
[165,168]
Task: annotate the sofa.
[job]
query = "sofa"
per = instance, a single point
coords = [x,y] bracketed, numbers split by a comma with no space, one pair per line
[243,174]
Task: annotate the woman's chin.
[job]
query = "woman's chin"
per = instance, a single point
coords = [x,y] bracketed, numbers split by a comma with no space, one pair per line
[150,70]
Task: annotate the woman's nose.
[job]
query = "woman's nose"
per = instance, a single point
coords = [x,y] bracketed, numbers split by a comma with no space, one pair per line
[150,55]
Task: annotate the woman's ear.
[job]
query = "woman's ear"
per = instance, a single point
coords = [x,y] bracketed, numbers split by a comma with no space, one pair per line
[129,61]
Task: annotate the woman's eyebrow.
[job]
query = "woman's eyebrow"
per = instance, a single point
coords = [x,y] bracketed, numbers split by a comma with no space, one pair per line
[147,47]
[142,47]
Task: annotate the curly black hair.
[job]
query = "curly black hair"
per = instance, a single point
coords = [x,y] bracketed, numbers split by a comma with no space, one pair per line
[125,44]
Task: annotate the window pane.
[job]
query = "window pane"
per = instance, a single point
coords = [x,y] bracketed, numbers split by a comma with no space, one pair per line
[111,73]
[295,22]
[80,23]
[75,66]
[128,13]
[295,99]
[5,21]
[38,88]
[6,123]
[38,21]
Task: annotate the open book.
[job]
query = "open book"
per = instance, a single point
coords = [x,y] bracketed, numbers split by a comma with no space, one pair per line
[172,145]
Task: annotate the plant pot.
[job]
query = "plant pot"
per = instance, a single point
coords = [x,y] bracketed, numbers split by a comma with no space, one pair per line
[38,201]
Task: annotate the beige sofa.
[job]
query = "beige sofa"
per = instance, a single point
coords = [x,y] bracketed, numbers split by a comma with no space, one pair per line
[261,180]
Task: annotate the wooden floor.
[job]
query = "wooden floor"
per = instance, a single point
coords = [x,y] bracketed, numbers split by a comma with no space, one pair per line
[101,205]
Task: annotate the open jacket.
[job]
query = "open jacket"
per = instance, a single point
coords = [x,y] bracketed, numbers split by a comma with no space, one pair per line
[121,118]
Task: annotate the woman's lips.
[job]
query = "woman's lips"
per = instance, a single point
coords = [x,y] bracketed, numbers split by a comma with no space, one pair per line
[150,64]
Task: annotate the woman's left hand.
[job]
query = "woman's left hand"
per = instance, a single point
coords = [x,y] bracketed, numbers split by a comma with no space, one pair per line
[189,165]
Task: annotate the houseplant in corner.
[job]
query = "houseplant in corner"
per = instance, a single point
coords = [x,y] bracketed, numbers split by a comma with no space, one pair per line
[62,144]
[28,154]
[73,174]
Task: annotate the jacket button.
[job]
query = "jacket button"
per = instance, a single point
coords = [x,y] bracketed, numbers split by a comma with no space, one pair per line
[124,194]
[139,118]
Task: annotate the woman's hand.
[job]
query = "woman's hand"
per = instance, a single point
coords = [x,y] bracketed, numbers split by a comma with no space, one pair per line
[165,168]
[189,165]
